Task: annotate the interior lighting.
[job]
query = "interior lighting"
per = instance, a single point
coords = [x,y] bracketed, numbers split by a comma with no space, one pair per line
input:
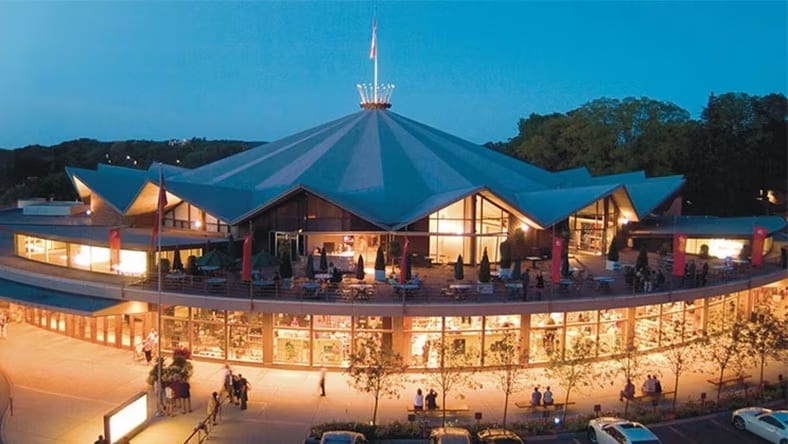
[197,224]
[525,227]
[623,220]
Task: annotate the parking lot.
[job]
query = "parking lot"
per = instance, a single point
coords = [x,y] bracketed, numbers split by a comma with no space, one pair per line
[714,430]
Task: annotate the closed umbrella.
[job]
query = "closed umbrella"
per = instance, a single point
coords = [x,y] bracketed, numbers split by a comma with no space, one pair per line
[215,258]
[360,268]
[459,272]
[310,268]
[177,263]
[323,260]
[286,267]
[484,268]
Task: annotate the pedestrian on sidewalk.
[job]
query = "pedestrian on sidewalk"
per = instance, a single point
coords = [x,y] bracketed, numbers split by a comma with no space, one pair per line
[243,390]
[547,397]
[184,395]
[227,382]
[214,406]
[323,381]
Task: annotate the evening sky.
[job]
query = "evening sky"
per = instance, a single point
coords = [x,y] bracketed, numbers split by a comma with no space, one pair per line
[264,70]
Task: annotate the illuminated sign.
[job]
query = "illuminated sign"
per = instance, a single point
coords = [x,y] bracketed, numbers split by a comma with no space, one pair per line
[127,419]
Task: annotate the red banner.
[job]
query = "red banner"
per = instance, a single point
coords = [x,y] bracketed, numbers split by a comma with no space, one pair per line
[758,235]
[403,262]
[558,250]
[246,263]
[679,246]
[114,248]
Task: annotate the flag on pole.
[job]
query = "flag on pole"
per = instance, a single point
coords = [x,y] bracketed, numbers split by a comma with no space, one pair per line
[114,248]
[758,236]
[246,263]
[403,263]
[161,203]
[558,250]
[679,246]
[373,45]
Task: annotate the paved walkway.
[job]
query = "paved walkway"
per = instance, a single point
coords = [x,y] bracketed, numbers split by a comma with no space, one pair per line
[62,387]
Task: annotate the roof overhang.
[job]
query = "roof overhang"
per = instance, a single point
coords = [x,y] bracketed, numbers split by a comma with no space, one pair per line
[67,302]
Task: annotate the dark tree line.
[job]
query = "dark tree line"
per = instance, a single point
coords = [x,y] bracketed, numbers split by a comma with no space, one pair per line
[39,171]
[730,158]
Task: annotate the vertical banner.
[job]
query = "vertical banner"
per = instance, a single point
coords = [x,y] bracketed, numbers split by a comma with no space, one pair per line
[114,249]
[758,235]
[246,263]
[679,246]
[558,250]
[403,263]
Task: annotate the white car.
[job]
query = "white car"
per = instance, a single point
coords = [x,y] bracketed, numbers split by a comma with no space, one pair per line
[607,430]
[771,425]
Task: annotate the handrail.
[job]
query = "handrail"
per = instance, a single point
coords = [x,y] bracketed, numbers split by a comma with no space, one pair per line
[203,428]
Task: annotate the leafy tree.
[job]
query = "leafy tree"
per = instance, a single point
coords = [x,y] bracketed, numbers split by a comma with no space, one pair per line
[377,370]
[628,361]
[725,350]
[455,371]
[765,337]
[683,352]
[574,367]
[507,360]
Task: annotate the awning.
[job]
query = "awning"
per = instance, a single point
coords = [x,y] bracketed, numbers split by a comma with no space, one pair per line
[65,302]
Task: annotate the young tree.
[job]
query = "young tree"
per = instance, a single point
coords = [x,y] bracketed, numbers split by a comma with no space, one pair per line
[574,367]
[376,370]
[726,350]
[506,356]
[628,361]
[765,337]
[683,352]
[455,371]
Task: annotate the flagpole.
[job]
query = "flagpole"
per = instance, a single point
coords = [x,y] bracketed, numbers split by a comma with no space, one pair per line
[159,360]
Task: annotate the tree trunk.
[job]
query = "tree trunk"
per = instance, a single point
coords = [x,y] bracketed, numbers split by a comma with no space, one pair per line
[443,406]
[566,401]
[505,408]
[763,364]
[375,410]
[675,391]
[719,386]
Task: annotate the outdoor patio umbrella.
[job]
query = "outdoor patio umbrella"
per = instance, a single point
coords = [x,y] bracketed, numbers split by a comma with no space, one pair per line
[177,263]
[323,260]
[408,268]
[360,268]
[309,272]
[459,272]
[215,258]
[484,268]
[264,259]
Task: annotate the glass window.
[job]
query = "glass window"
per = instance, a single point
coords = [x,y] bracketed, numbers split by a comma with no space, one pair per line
[208,339]
[246,343]
[331,348]
[289,320]
[291,346]
[373,323]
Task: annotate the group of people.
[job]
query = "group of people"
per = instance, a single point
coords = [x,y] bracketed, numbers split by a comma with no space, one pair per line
[430,401]
[697,278]
[542,398]
[177,395]
[235,387]
[651,386]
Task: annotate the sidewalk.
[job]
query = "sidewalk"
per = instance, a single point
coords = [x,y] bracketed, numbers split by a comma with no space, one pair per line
[62,387]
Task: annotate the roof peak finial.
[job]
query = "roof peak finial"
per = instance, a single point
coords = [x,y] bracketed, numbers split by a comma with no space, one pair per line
[375,96]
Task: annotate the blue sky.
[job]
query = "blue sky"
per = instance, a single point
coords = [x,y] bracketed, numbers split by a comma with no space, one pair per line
[264,70]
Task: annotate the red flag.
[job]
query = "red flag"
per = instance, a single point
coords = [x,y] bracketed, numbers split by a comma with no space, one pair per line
[114,248]
[679,246]
[246,263]
[161,203]
[758,235]
[403,262]
[558,250]
[373,46]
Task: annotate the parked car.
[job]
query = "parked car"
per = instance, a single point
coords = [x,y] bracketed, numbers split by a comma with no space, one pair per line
[342,437]
[498,436]
[450,435]
[608,430]
[771,425]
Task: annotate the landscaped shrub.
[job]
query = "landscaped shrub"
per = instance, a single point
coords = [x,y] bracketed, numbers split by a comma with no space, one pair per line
[402,430]
[691,409]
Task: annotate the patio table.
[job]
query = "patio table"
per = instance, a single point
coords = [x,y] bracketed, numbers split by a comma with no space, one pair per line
[534,261]
[360,290]
[603,282]
[460,291]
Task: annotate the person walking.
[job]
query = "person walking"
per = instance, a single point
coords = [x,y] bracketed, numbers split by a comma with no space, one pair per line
[227,382]
[147,348]
[243,390]
[214,406]
[323,381]
[184,396]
